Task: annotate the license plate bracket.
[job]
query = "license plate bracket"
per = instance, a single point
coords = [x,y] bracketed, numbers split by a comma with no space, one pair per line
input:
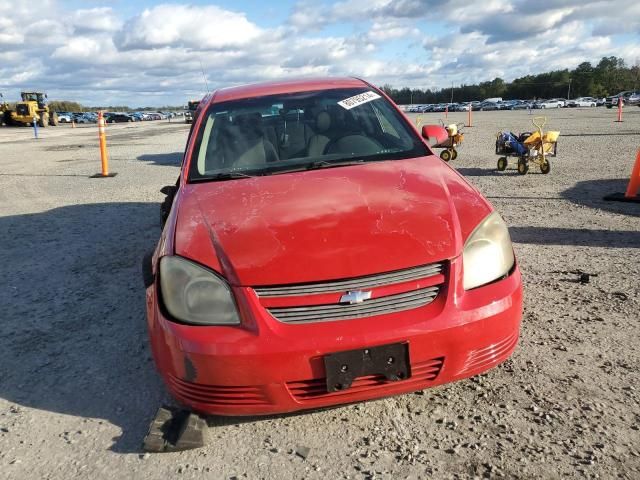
[391,361]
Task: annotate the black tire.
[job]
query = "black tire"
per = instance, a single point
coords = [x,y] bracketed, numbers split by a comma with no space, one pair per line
[546,167]
[44,120]
[53,120]
[523,166]
[502,164]
[454,154]
[445,155]
[147,269]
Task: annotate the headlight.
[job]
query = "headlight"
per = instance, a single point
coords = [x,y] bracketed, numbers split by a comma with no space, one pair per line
[194,294]
[487,253]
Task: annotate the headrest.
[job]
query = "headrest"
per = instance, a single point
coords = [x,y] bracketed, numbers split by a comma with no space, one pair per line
[323,121]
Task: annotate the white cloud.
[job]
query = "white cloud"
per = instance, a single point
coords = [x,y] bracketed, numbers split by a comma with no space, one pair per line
[208,27]
[99,19]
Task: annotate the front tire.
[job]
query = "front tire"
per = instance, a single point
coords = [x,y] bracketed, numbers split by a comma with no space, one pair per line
[445,155]
[523,166]
[44,120]
[546,167]
[502,164]
[54,119]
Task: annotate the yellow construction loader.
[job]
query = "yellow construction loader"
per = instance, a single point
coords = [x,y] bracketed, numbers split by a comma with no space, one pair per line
[32,107]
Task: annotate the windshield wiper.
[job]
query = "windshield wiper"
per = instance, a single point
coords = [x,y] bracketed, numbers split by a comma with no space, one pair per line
[338,163]
[222,176]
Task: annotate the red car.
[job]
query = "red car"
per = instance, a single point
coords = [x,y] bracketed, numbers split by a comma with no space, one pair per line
[318,253]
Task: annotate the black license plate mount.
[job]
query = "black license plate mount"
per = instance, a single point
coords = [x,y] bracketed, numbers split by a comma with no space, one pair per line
[390,361]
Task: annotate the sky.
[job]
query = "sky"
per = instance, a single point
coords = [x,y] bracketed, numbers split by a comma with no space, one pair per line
[152,53]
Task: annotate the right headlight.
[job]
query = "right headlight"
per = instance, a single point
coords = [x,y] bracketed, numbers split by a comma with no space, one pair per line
[193,294]
[488,254]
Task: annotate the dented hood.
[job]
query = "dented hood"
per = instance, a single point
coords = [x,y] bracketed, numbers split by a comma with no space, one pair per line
[330,223]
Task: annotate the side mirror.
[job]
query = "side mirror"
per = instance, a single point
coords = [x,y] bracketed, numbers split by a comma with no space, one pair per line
[434,134]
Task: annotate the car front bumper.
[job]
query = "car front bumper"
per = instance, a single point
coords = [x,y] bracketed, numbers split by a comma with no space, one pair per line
[269,367]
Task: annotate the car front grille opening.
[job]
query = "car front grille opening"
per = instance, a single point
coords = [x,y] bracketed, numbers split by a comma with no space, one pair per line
[377,306]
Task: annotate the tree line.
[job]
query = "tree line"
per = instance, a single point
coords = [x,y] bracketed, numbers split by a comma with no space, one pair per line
[610,76]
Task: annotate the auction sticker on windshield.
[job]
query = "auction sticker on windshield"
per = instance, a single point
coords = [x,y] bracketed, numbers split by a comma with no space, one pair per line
[351,102]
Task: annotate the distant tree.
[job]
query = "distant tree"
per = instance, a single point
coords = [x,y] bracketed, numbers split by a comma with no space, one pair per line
[608,77]
[65,106]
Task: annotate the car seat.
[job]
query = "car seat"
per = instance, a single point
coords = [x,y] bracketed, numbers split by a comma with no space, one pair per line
[242,143]
[318,141]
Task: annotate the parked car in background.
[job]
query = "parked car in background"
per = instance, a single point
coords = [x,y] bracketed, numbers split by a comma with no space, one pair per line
[582,102]
[86,118]
[65,117]
[613,100]
[521,105]
[551,103]
[276,287]
[634,99]
[117,117]
[488,106]
[601,102]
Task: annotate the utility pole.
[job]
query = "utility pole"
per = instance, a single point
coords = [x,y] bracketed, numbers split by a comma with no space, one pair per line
[569,90]
[411,92]
[451,93]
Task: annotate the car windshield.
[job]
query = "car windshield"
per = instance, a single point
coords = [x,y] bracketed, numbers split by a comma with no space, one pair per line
[304,130]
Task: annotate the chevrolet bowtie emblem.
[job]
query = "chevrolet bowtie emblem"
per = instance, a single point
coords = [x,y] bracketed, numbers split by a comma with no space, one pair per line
[357,296]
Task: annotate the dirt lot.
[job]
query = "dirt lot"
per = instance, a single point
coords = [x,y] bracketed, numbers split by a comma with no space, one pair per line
[78,387]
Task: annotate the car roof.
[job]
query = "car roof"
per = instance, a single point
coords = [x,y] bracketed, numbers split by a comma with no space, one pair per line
[284,86]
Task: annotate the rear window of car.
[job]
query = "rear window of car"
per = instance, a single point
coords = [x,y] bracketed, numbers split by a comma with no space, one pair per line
[281,132]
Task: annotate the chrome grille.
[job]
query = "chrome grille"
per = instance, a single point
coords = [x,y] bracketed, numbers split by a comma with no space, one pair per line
[368,308]
[360,283]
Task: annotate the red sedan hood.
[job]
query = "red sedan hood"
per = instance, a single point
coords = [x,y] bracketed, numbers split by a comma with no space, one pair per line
[330,223]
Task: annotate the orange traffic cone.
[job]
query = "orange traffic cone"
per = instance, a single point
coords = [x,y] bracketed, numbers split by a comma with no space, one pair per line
[631,194]
[104,157]
[634,181]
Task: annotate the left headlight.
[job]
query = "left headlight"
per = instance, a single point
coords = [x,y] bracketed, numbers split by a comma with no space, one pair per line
[196,295]
[488,254]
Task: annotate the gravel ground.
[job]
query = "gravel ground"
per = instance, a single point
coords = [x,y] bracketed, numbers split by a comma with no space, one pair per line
[77,383]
